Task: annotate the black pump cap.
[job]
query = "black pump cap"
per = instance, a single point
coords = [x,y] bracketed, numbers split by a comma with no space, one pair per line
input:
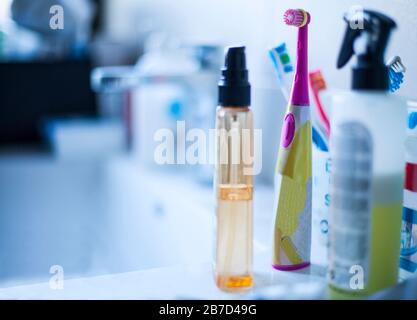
[234,86]
[373,29]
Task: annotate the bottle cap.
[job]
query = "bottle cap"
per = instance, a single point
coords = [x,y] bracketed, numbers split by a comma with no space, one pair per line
[234,86]
[367,38]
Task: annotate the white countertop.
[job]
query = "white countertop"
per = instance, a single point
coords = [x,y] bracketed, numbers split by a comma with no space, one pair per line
[180,282]
[165,236]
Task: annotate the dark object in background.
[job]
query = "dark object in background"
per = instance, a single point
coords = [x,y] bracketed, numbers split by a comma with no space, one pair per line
[99,16]
[31,92]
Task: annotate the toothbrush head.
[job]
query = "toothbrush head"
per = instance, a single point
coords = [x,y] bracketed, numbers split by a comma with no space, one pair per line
[396,73]
[296,17]
[396,79]
[317,81]
[281,59]
[396,64]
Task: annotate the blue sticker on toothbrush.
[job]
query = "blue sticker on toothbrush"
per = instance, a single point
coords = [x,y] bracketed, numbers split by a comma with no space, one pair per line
[412,120]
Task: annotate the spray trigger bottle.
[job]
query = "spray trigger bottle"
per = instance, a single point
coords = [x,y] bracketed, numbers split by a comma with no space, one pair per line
[368,134]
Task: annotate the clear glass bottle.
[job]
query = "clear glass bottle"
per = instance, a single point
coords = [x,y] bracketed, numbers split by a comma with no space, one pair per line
[234,191]
[234,178]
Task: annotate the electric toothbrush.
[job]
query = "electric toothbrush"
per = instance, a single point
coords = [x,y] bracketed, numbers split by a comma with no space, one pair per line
[292,231]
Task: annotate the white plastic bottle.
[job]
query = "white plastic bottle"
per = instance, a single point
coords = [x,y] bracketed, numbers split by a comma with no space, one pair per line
[367,151]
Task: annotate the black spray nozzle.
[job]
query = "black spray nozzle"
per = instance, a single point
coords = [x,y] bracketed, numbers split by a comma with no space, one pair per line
[367,37]
[234,86]
[235,59]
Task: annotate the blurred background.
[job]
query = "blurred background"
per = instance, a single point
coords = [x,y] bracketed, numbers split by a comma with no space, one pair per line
[79,107]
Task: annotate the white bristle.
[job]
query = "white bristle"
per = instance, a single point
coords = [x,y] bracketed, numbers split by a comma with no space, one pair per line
[396,64]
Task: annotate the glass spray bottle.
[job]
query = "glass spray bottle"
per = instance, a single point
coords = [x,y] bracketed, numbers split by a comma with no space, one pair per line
[233,176]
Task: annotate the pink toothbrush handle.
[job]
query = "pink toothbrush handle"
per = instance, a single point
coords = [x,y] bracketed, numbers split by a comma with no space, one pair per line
[299,92]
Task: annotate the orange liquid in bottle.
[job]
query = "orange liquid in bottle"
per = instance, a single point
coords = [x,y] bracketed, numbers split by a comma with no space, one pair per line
[234,238]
